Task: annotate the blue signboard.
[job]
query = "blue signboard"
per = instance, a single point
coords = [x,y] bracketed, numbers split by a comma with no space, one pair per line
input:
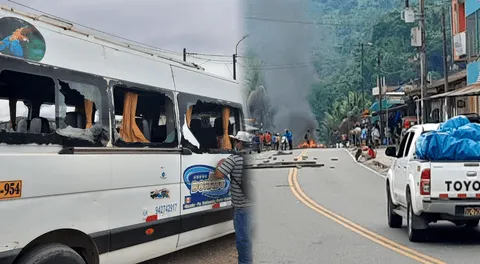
[471,6]
[204,187]
[473,72]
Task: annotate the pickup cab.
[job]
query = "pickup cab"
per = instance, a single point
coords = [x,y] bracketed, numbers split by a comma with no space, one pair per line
[425,192]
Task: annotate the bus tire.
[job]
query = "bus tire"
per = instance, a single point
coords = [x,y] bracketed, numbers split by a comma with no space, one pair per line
[51,254]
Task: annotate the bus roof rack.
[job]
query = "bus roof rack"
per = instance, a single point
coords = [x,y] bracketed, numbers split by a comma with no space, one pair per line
[125,43]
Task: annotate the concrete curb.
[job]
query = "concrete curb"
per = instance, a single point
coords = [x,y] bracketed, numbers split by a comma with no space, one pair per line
[374,162]
[379,164]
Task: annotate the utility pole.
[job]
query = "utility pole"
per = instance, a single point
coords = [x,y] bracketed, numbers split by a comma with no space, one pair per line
[380,97]
[445,66]
[363,80]
[423,60]
[234,66]
[184,54]
[235,57]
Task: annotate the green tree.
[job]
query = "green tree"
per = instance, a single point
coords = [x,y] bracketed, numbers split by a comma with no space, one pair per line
[337,58]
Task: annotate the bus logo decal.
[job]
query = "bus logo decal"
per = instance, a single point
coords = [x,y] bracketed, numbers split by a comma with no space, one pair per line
[21,39]
[204,187]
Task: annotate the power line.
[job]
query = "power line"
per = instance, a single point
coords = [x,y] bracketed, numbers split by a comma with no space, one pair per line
[216,60]
[285,66]
[301,22]
[99,31]
[210,55]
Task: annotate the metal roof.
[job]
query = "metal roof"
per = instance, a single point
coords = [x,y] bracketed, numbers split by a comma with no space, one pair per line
[470,90]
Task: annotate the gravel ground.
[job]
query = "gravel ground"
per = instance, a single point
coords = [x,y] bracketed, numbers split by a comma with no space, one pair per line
[218,251]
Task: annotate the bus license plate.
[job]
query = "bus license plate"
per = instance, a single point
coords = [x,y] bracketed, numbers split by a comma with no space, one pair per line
[10,189]
[472,211]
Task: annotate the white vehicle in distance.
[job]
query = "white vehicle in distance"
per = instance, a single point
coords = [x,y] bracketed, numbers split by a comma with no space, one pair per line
[107,149]
[423,191]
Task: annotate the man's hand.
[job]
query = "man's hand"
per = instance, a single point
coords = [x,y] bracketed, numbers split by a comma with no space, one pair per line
[218,174]
[220,162]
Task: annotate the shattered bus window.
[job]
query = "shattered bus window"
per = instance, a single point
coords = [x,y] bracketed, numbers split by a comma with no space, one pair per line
[203,124]
[23,95]
[79,105]
[144,118]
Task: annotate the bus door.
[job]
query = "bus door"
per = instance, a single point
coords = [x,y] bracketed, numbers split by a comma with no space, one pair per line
[206,203]
[145,173]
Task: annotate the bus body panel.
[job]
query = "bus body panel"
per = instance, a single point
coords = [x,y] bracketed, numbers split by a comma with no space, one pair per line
[58,192]
[141,252]
[199,168]
[145,71]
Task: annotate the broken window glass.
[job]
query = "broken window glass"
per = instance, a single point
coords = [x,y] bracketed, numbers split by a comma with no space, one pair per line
[79,109]
[144,118]
[203,125]
[22,96]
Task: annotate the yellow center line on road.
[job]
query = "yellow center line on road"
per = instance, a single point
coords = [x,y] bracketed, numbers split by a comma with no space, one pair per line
[383,241]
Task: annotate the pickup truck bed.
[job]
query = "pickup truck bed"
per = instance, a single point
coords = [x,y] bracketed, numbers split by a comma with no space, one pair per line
[423,192]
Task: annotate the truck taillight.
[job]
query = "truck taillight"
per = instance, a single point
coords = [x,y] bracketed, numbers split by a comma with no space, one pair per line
[425,182]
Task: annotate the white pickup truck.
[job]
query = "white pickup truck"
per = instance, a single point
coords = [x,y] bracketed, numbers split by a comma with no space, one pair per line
[423,192]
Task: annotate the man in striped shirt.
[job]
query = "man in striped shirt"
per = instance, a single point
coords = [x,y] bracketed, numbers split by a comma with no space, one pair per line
[233,166]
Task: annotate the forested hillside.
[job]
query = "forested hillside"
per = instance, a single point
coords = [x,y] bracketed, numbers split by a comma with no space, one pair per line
[343,25]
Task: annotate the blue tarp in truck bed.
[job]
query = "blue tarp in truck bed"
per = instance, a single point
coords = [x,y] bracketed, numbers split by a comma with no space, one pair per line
[456,139]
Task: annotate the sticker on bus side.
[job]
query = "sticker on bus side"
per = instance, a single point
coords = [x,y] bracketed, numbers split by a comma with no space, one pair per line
[159,212]
[204,187]
[10,189]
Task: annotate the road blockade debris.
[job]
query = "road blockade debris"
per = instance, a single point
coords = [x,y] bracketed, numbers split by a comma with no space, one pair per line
[282,153]
[284,164]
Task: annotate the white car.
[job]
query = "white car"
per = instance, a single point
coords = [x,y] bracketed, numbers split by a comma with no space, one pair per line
[423,191]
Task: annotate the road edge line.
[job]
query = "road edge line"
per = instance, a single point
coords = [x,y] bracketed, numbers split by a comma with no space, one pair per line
[365,166]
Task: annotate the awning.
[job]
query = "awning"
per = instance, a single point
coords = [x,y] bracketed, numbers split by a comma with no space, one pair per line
[471,90]
[386,103]
[392,109]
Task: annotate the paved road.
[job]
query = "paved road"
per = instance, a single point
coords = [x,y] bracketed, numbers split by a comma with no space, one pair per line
[333,214]
[351,191]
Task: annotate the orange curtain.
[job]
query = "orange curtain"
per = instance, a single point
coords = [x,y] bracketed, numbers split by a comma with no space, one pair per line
[129,130]
[189,115]
[88,112]
[12,103]
[225,118]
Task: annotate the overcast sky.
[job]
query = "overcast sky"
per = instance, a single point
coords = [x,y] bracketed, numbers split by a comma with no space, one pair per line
[200,26]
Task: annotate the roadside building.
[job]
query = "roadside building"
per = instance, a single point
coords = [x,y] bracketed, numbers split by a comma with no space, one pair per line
[434,101]
[464,86]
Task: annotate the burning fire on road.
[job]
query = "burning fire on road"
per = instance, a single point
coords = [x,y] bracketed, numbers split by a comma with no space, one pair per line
[310,144]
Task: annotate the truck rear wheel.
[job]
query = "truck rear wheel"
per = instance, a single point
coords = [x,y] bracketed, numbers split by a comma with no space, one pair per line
[51,254]
[394,220]
[414,235]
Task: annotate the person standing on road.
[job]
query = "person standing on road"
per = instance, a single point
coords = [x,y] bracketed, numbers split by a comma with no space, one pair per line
[233,166]
[268,140]
[289,137]
[262,140]
[274,142]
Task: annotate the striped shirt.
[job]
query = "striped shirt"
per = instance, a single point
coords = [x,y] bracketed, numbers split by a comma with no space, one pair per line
[233,166]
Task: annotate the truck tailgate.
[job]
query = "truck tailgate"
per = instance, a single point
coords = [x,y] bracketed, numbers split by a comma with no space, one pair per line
[455,180]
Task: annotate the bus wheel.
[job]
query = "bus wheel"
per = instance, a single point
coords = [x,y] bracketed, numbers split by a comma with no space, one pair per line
[51,254]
